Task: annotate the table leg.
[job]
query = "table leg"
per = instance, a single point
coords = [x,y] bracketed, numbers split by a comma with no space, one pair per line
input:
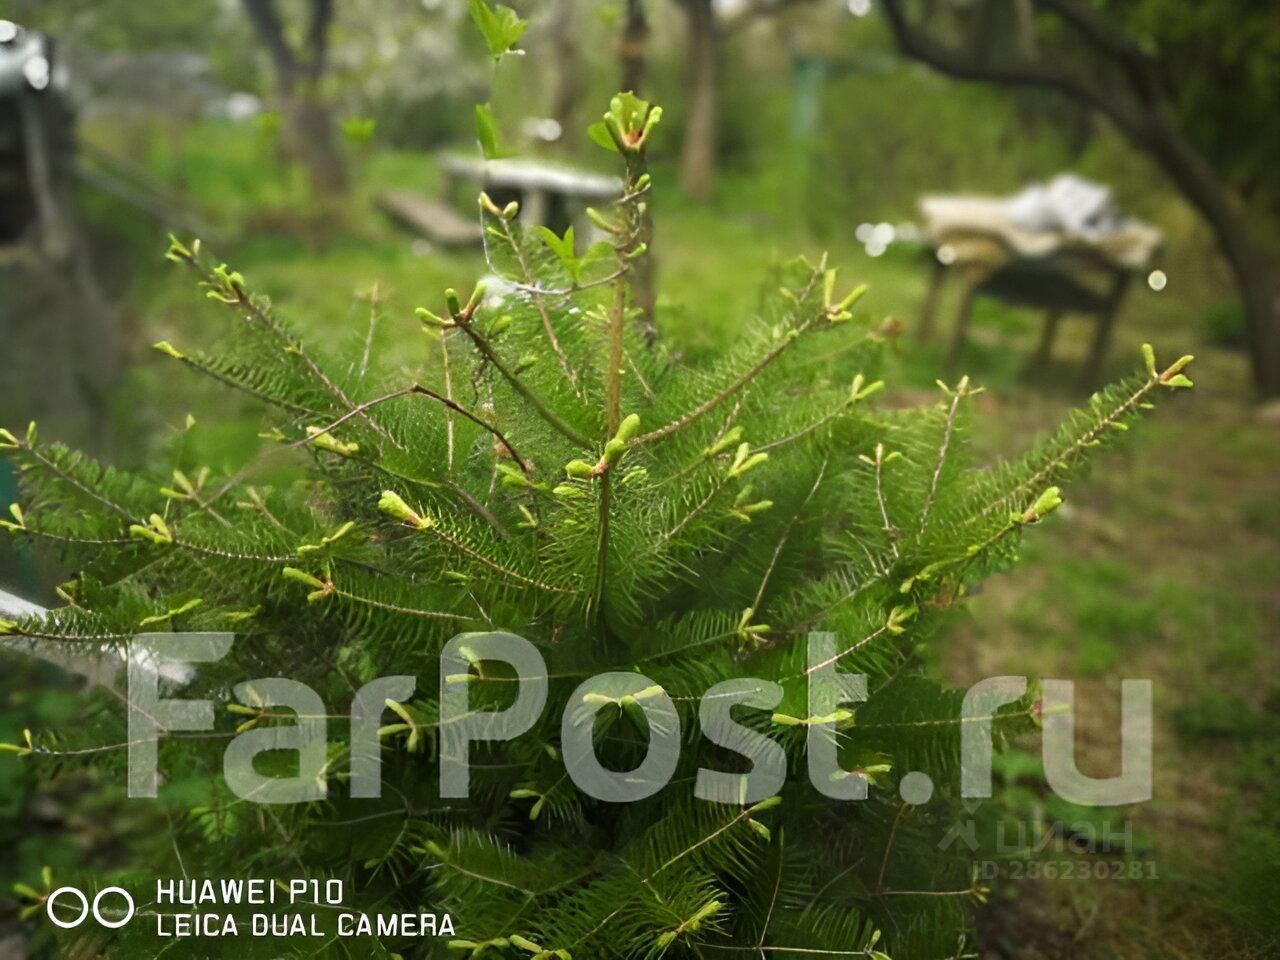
[534,208]
[929,309]
[1048,334]
[961,329]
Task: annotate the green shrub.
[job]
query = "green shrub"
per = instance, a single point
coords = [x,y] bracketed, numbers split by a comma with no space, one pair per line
[545,471]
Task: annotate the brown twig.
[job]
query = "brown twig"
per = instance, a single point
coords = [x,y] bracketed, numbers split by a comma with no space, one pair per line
[418,388]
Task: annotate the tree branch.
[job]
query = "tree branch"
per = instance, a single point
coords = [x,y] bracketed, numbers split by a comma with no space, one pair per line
[418,388]
[1110,40]
[318,36]
[262,14]
[518,385]
[916,44]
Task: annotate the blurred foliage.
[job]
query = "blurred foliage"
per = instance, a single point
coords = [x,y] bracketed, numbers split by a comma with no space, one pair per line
[1221,60]
[1223,324]
[123,25]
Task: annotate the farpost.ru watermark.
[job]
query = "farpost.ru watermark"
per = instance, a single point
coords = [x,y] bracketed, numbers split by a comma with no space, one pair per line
[830,692]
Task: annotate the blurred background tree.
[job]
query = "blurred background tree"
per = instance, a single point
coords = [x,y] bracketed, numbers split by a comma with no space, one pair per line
[1178,81]
[300,73]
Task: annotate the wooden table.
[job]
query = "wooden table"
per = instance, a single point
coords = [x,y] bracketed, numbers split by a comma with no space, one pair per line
[1053,271]
[551,194]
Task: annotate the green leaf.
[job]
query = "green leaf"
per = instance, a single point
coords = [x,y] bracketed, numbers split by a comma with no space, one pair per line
[600,135]
[600,250]
[170,614]
[1149,358]
[359,130]
[629,121]
[563,248]
[301,576]
[629,110]
[500,26]
[487,131]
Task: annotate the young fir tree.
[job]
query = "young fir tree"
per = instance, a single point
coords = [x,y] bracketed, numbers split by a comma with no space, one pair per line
[549,473]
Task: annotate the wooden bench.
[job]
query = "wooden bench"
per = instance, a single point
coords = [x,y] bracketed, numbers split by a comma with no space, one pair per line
[433,219]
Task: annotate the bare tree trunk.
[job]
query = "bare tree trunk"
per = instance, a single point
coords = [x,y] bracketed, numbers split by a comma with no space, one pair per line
[566,81]
[702,43]
[1252,264]
[1257,274]
[310,133]
[631,49]
[313,142]
[77,348]
[50,201]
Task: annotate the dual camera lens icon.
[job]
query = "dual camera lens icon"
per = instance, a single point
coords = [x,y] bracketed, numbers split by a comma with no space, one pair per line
[74,893]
